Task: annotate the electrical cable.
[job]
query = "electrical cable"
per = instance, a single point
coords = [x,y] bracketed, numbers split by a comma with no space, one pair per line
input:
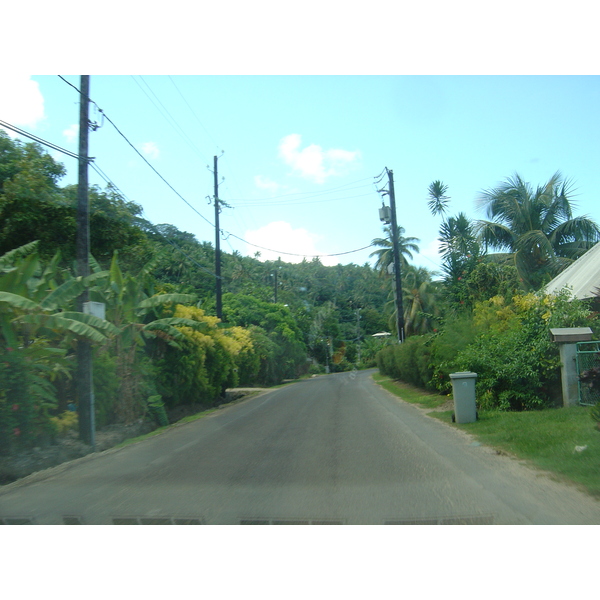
[172,122]
[200,214]
[153,227]
[300,202]
[195,115]
[296,254]
[39,140]
[141,155]
[311,194]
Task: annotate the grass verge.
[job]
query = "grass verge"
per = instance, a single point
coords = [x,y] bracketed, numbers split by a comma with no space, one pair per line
[409,393]
[563,441]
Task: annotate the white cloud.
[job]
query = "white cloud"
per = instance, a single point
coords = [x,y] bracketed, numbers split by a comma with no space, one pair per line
[72,133]
[264,183]
[151,149]
[23,105]
[282,237]
[314,163]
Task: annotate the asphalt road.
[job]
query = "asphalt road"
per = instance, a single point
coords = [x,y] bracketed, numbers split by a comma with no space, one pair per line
[335,449]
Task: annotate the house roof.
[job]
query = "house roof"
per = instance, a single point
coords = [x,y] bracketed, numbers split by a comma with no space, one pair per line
[583,276]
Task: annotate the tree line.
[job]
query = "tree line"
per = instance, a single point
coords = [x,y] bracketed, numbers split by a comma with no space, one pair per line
[161,345]
[489,312]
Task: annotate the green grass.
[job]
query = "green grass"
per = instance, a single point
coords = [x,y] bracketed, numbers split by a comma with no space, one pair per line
[547,438]
[409,393]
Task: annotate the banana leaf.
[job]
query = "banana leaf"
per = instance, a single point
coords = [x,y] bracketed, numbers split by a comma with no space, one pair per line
[60,324]
[17,301]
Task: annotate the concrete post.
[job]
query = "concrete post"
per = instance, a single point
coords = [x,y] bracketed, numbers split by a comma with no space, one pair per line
[568,374]
[567,339]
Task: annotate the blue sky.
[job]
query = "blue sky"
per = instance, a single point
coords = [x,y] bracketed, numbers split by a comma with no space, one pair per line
[301,153]
[470,132]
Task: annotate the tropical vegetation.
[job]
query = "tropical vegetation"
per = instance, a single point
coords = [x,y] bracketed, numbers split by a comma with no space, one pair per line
[490,314]
[161,348]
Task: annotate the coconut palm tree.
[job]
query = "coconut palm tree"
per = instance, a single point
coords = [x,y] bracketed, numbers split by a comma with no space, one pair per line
[385,254]
[438,201]
[420,307]
[535,229]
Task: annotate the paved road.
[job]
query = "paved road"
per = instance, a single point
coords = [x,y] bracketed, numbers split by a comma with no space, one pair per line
[334,449]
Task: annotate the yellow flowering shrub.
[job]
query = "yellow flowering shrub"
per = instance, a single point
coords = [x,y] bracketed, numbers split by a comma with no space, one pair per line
[64,422]
[211,359]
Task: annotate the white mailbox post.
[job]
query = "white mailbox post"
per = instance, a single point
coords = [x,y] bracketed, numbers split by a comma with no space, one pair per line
[567,339]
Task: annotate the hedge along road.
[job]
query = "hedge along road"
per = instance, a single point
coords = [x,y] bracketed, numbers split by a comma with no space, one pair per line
[336,449]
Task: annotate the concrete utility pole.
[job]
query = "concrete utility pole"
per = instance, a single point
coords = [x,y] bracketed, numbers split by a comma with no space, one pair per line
[397,267]
[217,245]
[84,381]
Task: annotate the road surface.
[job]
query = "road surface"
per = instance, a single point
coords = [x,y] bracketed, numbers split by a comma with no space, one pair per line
[336,449]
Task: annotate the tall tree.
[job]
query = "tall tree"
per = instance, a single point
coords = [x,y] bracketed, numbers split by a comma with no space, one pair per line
[385,256]
[420,305]
[534,229]
[438,201]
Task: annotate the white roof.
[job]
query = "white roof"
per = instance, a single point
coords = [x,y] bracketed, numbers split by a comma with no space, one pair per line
[583,276]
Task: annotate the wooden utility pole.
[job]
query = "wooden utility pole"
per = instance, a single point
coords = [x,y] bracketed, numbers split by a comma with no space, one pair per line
[397,266]
[84,382]
[217,245]
[358,332]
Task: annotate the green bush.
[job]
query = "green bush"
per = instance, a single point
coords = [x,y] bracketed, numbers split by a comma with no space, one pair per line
[408,362]
[316,369]
[65,422]
[156,408]
[507,343]
[106,387]
[457,334]
[516,361]
[26,396]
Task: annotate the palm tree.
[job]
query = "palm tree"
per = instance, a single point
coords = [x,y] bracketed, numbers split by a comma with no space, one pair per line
[535,229]
[419,300]
[438,201]
[459,247]
[385,254]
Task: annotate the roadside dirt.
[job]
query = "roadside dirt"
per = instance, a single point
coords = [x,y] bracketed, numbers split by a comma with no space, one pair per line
[69,447]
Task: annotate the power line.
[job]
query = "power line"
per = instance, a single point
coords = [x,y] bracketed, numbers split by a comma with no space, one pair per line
[141,155]
[301,202]
[153,227]
[296,254]
[312,194]
[39,140]
[194,113]
[200,214]
[172,122]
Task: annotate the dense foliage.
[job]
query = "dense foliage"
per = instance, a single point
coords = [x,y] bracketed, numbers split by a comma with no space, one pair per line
[491,320]
[160,345]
